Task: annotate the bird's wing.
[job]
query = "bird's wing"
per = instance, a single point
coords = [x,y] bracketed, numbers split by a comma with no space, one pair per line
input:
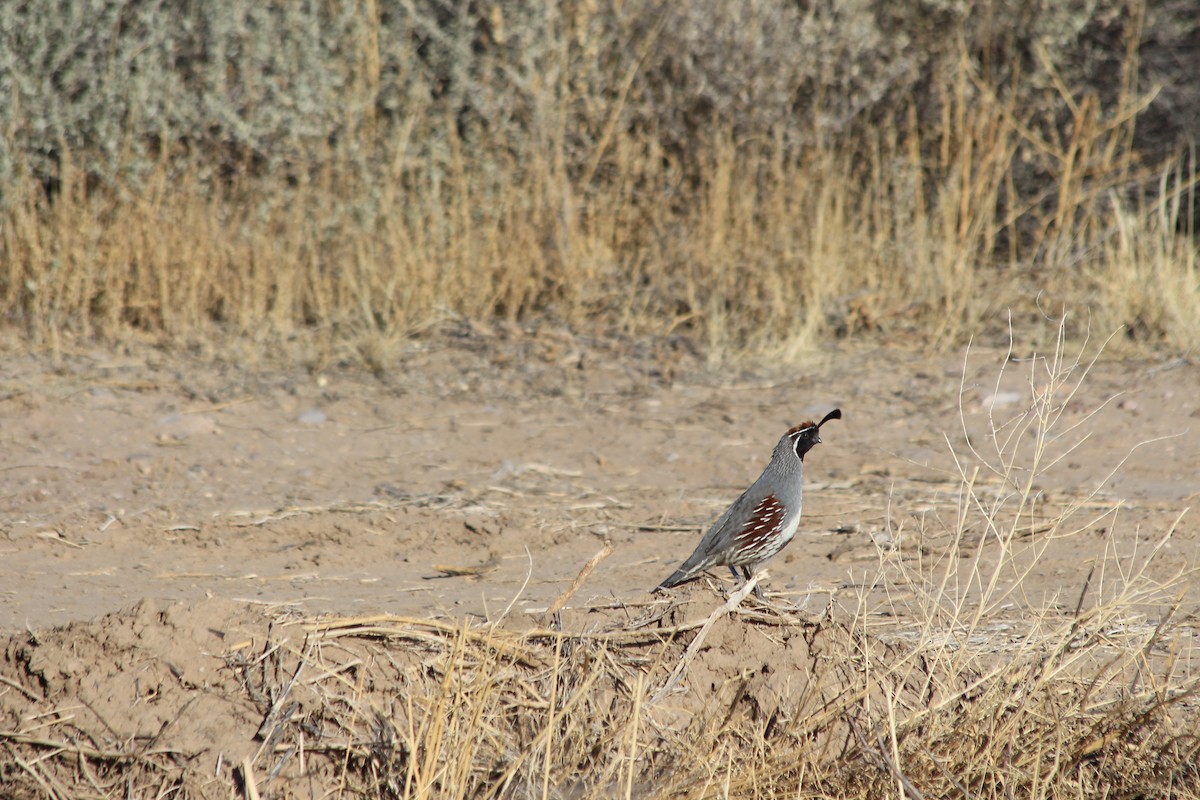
[763,520]
[729,526]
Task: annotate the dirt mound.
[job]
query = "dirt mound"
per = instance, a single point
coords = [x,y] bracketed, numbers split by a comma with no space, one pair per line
[196,697]
[144,689]
[660,698]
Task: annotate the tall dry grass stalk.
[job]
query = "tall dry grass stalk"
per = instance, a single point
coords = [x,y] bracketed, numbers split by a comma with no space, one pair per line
[1148,275]
[934,222]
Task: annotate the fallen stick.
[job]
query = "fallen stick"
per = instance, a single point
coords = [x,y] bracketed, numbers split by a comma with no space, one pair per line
[558,604]
[452,571]
[249,789]
[693,649]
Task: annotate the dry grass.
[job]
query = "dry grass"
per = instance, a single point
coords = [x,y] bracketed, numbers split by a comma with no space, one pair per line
[992,197]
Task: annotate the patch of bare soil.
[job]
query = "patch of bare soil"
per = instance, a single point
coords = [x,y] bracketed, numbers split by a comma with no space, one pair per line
[175,532]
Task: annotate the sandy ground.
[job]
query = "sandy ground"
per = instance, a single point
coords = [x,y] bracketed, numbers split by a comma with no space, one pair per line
[129,477]
[477,476]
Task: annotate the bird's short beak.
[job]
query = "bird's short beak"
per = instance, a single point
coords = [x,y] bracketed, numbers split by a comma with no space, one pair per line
[818,439]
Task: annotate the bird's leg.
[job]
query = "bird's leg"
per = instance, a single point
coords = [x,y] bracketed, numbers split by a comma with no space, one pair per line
[746,573]
[737,578]
[736,581]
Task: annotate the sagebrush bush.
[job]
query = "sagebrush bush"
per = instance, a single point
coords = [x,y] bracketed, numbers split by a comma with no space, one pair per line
[758,174]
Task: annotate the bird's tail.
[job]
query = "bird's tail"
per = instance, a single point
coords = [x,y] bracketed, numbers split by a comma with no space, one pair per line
[681,575]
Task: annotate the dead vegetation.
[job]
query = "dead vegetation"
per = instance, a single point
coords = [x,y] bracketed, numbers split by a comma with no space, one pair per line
[782,179]
[394,707]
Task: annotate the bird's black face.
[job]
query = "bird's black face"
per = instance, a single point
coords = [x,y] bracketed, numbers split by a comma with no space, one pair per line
[805,439]
[808,434]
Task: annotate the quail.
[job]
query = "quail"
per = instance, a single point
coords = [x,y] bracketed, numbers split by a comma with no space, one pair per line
[764,519]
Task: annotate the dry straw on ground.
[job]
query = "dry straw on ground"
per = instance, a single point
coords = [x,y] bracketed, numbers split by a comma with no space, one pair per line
[942,675]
